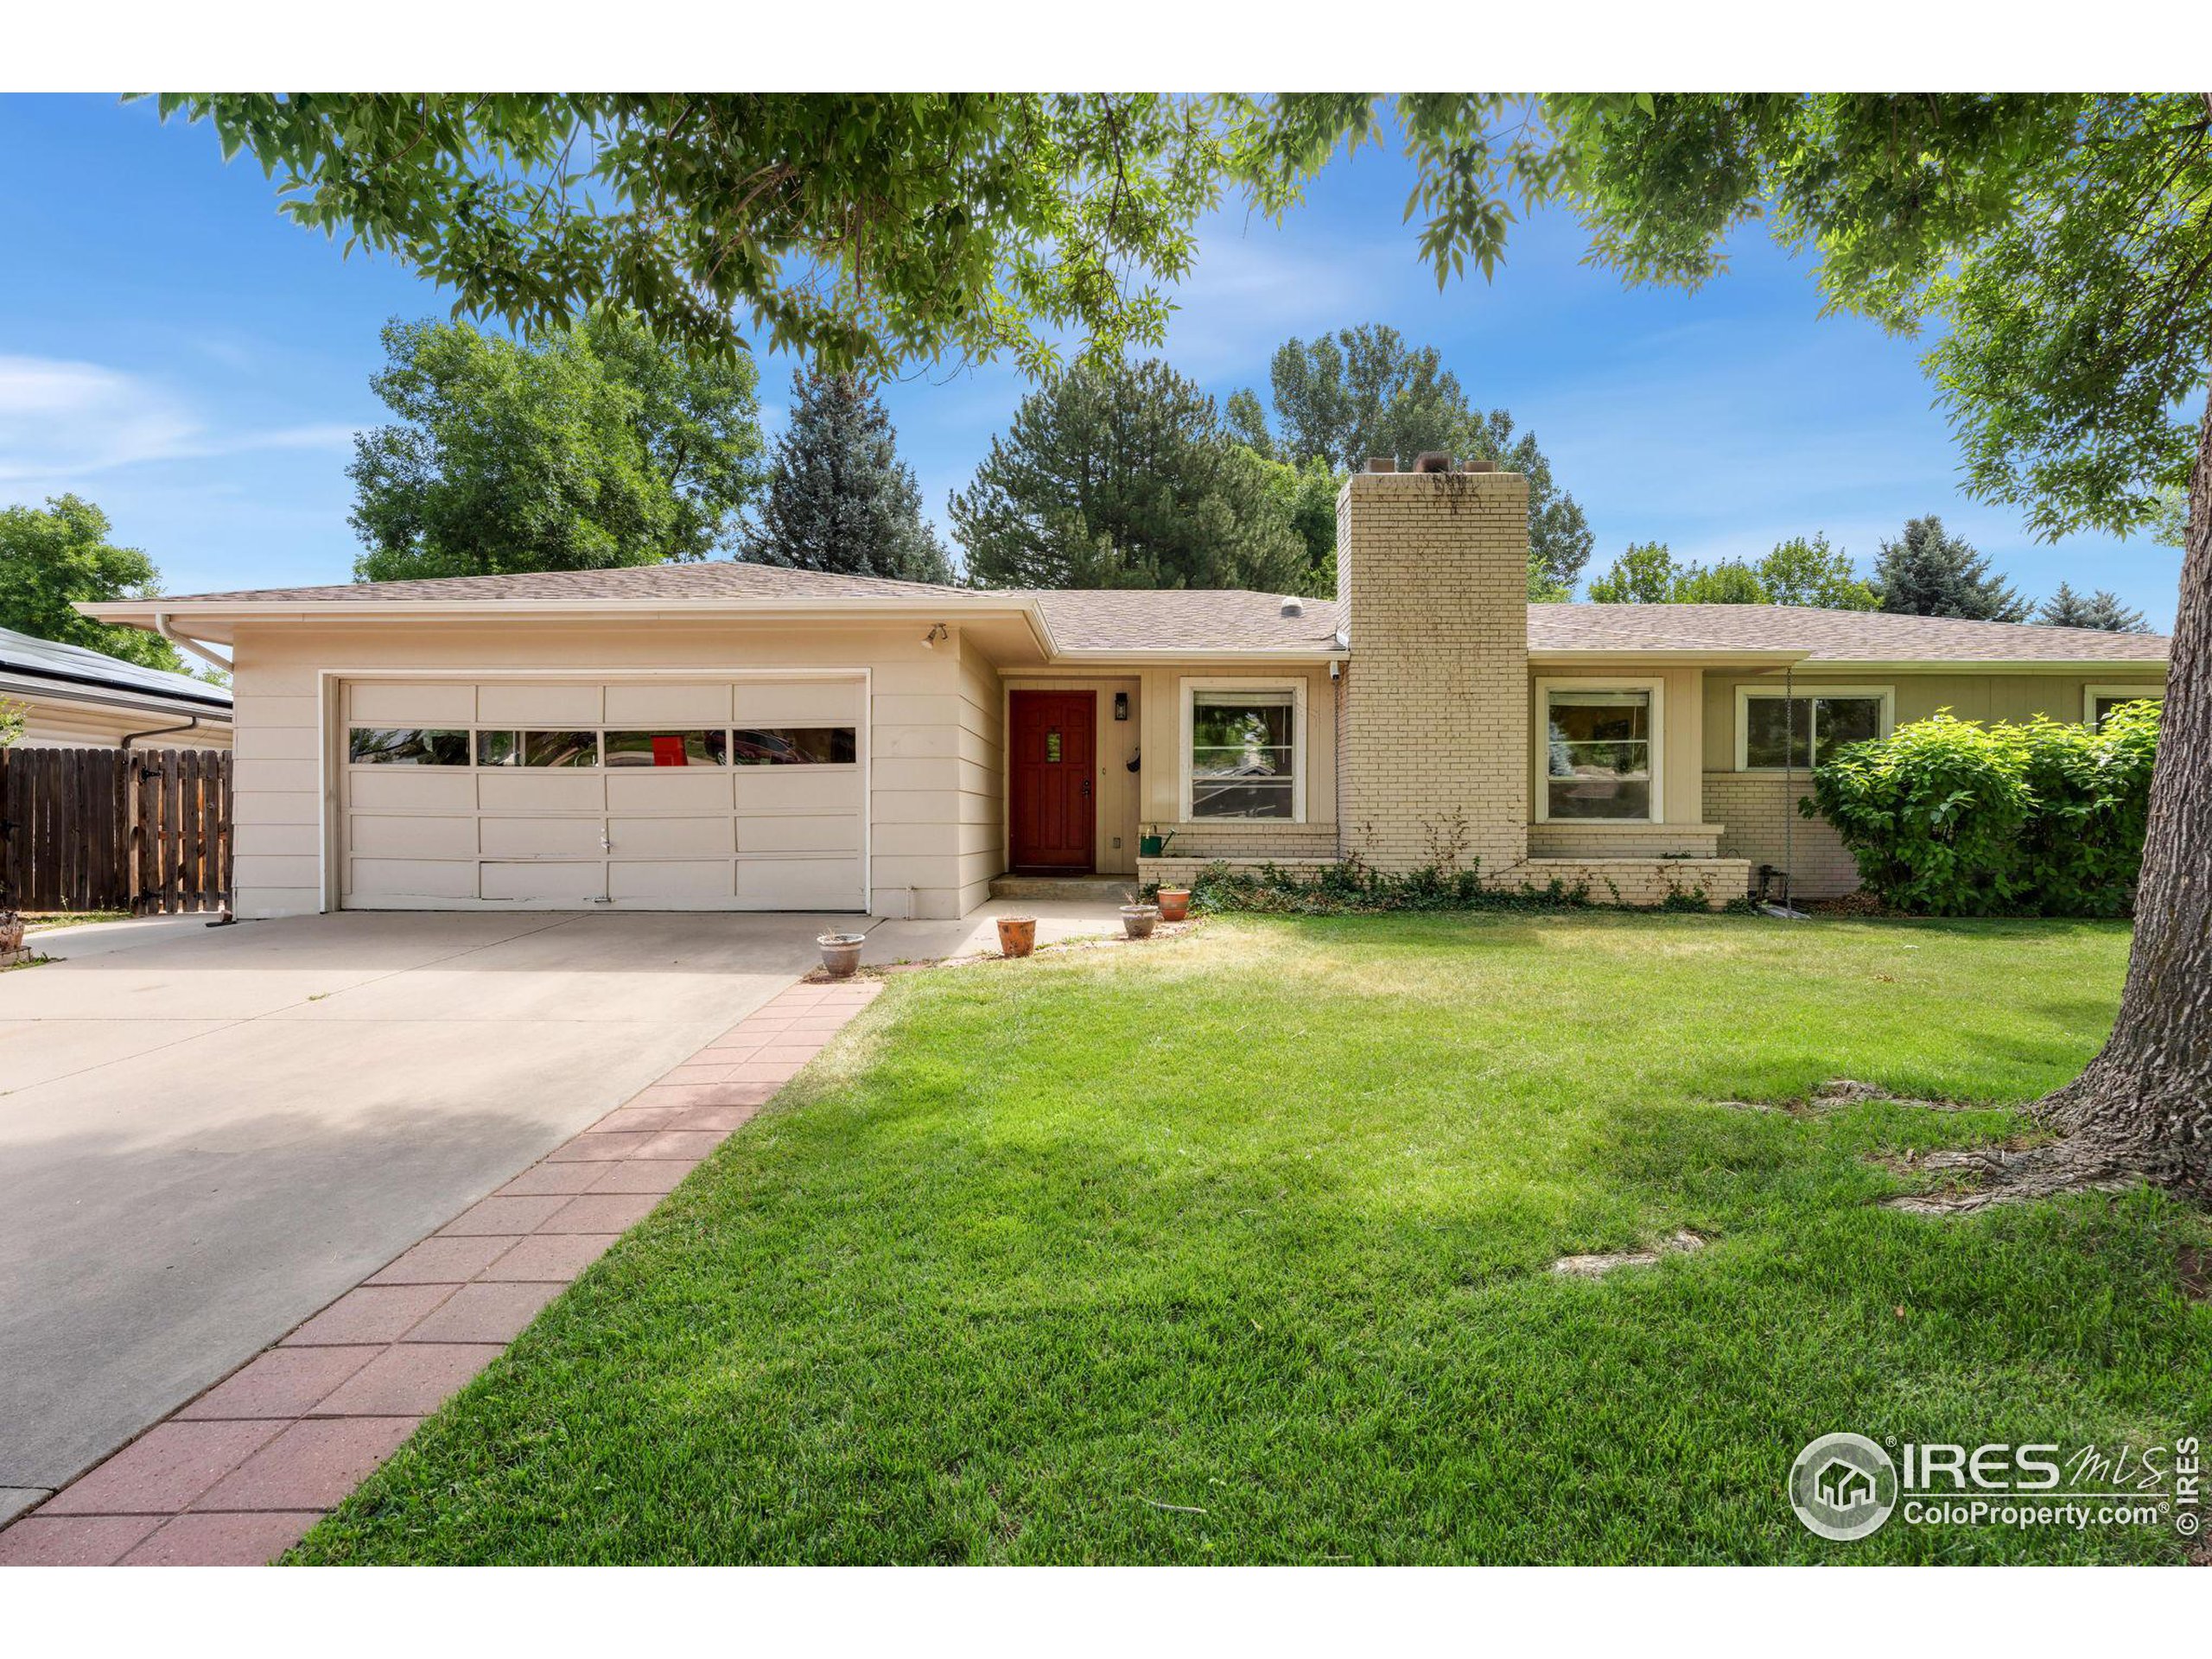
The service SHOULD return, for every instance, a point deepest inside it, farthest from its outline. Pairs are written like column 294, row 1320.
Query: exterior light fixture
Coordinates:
column 938, row 632
column 1121, row 705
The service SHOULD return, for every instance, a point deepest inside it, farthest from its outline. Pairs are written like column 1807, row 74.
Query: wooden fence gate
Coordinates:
column 146, row 830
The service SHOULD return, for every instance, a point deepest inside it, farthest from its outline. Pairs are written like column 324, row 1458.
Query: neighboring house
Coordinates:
column 76, row 698
column 731, row 736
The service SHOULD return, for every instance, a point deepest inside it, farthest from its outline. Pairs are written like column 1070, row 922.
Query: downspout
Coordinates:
column 191, row 724
column 161, row 626
column 1789, row 779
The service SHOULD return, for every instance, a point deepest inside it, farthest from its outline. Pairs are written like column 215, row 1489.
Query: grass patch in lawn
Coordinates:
column 1238, row 1249
column 45, row 918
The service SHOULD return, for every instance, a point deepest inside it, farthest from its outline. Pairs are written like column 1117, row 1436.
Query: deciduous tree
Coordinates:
column 593, row 446
column 54, row 555
column 1362, row 392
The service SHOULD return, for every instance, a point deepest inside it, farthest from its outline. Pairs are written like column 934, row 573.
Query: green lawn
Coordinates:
column 1236, row 1248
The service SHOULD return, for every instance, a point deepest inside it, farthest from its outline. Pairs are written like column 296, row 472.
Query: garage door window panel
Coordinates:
column 798, row 745
column 668, row 749
column 560, row 748
column 384, row 746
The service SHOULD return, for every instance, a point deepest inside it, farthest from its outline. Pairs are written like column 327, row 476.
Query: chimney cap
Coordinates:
column 1474, row 466
column 1381, row 463
column 1431, row 461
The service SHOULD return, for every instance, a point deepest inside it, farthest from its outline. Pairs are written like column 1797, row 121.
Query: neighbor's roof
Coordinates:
column 26, row 660
column 1828, row 636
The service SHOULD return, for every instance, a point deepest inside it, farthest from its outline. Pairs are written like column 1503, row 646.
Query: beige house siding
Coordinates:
column 64, row 723
column 1750, row 805
column 933, row 803
column 1993, row 696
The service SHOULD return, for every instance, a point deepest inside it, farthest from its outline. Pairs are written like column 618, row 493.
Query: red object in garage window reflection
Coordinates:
column 667, row 751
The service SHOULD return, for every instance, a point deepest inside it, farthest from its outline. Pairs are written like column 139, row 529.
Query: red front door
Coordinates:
column 1051, row 818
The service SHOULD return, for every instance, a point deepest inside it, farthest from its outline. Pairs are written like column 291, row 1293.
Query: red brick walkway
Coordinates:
column 237, row 1476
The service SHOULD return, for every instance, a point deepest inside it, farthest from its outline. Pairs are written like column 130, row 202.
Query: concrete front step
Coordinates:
column 1098, row 889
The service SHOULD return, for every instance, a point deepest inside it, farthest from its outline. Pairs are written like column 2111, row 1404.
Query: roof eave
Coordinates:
column 1111, row 654
column 1989, row 664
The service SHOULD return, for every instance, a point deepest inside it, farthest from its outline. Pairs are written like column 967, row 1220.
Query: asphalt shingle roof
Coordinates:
column 1835, row 636
column 1143, row 619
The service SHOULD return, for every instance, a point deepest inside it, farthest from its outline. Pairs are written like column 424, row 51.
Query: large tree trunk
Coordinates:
column 2144, row 1107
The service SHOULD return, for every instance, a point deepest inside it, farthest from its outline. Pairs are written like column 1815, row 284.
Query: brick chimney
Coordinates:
column 1432, row 568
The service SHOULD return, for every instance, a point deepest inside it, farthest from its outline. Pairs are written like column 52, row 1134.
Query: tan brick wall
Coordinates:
column 1249, row 838
column 1562, row 840
column 1750, row 807
column 1182, row 871
column 1433, row 569
column 1642, row 882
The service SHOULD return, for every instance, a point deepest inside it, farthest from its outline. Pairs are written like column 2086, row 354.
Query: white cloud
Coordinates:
column 61, row 420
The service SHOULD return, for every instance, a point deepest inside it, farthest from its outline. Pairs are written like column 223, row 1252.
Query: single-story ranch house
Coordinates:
column 722, row 736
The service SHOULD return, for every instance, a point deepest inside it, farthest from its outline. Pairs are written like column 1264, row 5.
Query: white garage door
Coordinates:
column 616, row 794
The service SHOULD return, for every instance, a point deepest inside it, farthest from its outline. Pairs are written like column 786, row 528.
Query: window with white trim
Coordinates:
column 1796, row 732
column 1242, row 744
column 1601, row 753
column 2099, row 701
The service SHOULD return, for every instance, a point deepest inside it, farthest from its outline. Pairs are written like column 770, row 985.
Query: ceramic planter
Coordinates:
column 1174, row 904
column 1139, row 920
column 1017, row 935
column 841, row 953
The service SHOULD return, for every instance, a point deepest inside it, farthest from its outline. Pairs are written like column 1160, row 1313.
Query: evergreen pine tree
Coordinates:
column 2102, row 609
column 839, row 498
column 1930, row 572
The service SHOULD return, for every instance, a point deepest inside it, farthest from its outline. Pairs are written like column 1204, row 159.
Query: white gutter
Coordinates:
column 183, row 643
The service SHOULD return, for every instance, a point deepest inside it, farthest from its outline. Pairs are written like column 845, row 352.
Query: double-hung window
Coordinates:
column 1601, row 753
column 1243, row 751
column 1774, row 732
column 2099, row 701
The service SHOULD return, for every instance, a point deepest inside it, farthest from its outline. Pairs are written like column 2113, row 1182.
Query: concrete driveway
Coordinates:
column 208, row 1134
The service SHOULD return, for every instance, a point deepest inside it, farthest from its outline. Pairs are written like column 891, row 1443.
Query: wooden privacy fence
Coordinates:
column 148, row 830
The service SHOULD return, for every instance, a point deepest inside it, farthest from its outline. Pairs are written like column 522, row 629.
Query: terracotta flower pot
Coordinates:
column 1138, row 920
column 841, row 953
column 1174, row 904
column 1017, row 935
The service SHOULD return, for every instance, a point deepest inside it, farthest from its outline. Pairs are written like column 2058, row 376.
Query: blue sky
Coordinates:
column 172, row 349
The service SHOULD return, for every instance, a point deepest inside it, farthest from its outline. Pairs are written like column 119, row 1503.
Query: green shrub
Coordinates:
column 1948, row 817
column 1351, row 887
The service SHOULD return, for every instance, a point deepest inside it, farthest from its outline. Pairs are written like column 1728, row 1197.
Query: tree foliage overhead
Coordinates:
column 591, row 446
column 1362, row 392
column 838, row 498
column 1125, row 478
column 864, row 231
column 52, row 557
column 1928, row 571
column 2101, row 609
column 2058, row 237
column 1800, row 571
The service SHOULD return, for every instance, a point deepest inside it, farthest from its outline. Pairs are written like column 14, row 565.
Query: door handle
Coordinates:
column 1086, row 789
